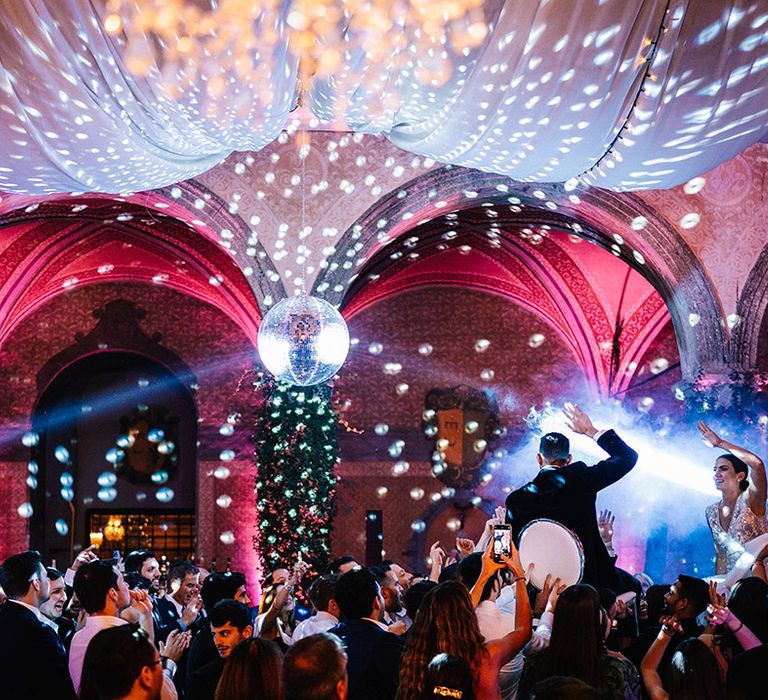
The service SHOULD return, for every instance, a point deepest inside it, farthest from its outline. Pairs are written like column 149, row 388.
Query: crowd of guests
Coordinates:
column 470, row 628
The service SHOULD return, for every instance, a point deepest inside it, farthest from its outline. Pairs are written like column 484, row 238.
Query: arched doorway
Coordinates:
column 116, row 436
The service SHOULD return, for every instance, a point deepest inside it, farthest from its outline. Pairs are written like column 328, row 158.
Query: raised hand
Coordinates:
column 436, row 554
column 87, row 555
column 540, row 603
column 300, row 569
column 141, row 602
column 554, row 594
column 670, row 625
column 578, row 421
column 709, row 436
column 465, row 546
column 715, row 598
column 605, row 523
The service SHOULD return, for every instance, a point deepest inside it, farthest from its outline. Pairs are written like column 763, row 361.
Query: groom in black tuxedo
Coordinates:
column 566, row 491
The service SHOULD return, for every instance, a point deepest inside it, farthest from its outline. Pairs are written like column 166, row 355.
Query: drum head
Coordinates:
column 554, row 549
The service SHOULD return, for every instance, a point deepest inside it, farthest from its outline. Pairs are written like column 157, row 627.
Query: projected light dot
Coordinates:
column 694, row 186
column 471, row 427
column 61, row 527
column 227, row 429
column 375, row 348
column 107, row 479
column 392, row 368
column 66, row 479
column 30, row 439
column 224, row 501
column 67, row 493
column 32, row 467
column 159, row 477
column 453, row 524
column 31, row 482
column 536, row 340
column 227, row 455
column 155, row 435
column 166, row 447
column 164, row 495
column 221, row 473
column 114, row 455
column 400, row 467
column 381, row 429
column 482, row 345
column 417, row 493
column 402, row 389
column 435, row 497
column 107, row 495
column 381, row 491
column 125, row 441
column 25, row 510
column 425, row 349
column 693, row 320
column 62, row 454
column 690, row 220
column 487, row 375
column 418, row 526
column 227, row 537
column 659, row 365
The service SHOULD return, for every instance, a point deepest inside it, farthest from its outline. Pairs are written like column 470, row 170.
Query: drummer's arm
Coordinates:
column 621, row 461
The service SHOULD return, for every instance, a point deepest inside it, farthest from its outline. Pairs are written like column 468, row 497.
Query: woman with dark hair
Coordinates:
column 694, row 671
column 739, row 516
column 577, row 649
column 252, row 672
column 446, row 623
column 448, row 676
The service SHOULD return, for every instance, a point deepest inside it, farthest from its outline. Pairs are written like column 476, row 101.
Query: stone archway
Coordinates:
column 620, row 223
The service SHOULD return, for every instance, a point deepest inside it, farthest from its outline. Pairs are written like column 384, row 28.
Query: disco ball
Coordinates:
column 303, row 340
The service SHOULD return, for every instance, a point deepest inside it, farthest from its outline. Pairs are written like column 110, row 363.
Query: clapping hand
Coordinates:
column 191, row 610
column 175, row 645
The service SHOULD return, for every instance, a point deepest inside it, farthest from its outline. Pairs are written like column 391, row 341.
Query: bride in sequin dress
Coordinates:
column 739, row 516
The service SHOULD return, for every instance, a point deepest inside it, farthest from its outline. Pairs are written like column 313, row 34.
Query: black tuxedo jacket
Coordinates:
column 203, row 683
column 373, row 664
column 568, row 494
column 33, row 663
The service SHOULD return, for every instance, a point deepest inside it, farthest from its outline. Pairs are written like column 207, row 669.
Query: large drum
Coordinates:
column 554, row 549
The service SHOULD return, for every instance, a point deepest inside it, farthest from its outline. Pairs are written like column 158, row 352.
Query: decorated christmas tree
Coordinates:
column 296, row 453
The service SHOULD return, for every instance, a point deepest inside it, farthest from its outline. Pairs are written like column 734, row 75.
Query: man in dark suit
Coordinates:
column 566, row 491
column 230, row 625
column 180, row 606
column 373, row 652
column 53, row 608
column 33, row 663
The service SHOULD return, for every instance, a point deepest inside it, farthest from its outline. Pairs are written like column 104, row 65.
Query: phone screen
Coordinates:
column 502, row 541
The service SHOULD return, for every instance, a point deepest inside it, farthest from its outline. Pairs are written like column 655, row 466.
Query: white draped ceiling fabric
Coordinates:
column 623, row 94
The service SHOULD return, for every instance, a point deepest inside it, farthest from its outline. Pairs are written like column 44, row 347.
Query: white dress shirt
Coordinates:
column 494, row 623
column 321, row 622
column 82, row 638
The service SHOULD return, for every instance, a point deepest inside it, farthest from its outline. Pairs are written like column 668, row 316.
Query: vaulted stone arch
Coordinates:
column 620, row 223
